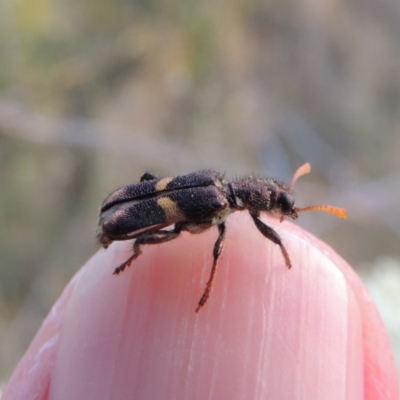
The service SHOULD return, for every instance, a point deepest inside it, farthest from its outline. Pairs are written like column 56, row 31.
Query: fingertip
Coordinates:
column 264, row 328
column 266, row 331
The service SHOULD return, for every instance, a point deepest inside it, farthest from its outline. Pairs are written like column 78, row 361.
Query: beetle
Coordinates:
column 194, row 203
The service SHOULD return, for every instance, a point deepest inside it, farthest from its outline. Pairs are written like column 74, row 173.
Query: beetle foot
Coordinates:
column 125, row 264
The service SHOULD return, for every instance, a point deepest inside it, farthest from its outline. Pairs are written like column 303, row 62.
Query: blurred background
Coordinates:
column 94, row 93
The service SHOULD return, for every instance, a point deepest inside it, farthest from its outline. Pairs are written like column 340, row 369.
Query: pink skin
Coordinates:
column 266, row 332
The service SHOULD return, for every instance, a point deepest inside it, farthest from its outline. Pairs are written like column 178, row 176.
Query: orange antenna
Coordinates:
column 304, row 169
column 339, row 212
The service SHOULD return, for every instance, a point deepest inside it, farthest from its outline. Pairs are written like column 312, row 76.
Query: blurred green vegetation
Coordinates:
column 94, row 93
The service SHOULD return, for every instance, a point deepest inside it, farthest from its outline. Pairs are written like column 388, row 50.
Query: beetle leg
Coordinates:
column 272, row 235
column 153, row 238
column 218, row 246
column 147, row 176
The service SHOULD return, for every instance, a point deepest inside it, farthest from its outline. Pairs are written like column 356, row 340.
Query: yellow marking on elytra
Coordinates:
column 162, row 184
column 171, row 209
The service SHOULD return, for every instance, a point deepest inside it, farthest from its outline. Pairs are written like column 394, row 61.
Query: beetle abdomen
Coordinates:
column 135, row 217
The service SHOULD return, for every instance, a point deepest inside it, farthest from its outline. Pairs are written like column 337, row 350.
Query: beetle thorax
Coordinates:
column 254, row 194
